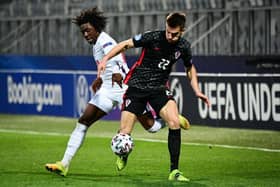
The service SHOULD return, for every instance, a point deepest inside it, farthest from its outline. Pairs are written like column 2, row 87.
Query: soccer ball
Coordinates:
column 122, row 144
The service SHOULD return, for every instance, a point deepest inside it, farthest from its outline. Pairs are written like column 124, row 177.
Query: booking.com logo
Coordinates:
column 26, row 91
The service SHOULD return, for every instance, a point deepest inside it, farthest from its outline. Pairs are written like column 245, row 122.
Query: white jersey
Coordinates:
column 108, row 96
column 117, row 64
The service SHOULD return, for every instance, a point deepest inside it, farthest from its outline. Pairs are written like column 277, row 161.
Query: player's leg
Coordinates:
column 127, row 122
column 126, row 127
column 132, row 107
column 97, row 107
column 169, row 113
column 91, row 114
column 184, row 122
column 152, row 123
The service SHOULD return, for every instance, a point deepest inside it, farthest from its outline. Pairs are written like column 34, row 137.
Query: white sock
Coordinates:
column 74, row 143
column 158, row 124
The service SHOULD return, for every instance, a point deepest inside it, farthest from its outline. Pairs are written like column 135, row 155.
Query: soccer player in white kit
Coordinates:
column 108, row 89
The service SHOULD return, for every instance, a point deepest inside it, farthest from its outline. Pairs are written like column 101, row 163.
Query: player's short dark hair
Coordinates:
column 92, row 16
column 176, row 19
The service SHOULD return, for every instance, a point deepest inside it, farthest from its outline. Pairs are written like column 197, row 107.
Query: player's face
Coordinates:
column 89, row 33
column 173, row 34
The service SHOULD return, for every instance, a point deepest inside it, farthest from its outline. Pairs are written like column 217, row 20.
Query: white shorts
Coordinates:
column 108, row 99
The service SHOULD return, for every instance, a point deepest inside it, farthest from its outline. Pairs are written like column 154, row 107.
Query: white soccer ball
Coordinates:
column 122, row 144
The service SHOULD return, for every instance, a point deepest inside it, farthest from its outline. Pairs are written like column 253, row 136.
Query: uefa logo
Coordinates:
column 177, row 91
column 82, row 91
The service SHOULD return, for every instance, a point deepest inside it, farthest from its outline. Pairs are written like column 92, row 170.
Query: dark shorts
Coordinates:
column 135, row 100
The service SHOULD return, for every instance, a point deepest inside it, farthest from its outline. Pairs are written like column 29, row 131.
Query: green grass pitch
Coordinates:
column 209, row 156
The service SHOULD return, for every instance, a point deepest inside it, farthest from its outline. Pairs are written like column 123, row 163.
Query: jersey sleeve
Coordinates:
column 142, row 40
column 107, row 46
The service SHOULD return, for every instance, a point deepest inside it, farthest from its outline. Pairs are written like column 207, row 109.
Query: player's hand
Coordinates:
column 101, row 67
column 117, row 77
column 204, row 98
column 96, row 84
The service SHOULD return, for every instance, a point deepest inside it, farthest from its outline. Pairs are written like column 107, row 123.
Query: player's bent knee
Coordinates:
column 84, row 121
column 174, row 125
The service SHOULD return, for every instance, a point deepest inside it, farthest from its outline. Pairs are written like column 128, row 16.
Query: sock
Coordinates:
column 158, row 124
column 174, row 146
column 74, row 143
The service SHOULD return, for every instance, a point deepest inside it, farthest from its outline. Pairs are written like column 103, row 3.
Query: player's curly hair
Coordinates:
column 176, row 19
column 92, row 16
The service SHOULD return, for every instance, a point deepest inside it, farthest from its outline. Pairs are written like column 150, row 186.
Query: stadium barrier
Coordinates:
column 238, row 100
column 242, row 94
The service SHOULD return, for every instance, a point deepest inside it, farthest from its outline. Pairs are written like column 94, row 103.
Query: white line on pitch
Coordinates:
column 147, row 140
column 216, row 145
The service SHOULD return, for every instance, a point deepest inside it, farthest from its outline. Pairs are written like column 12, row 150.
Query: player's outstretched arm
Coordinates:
column 192, row 76
column 120, row 47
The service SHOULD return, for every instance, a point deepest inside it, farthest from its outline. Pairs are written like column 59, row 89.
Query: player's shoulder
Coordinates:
column 104, row 40
column 154, row 35
column 184, row 43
